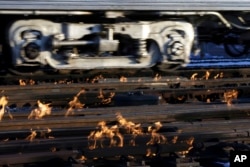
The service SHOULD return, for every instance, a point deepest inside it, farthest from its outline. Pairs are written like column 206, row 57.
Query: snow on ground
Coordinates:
column 214, row 56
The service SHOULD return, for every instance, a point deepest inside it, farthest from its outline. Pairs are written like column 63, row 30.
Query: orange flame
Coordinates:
column 3, row 105
column 157, row 77
column 24, row 82
column 155, row 136
column 130, row 128
column 32, row 136
column 41, row 111
column 31, row 82
column 113, row 134
column 104, row 131
column 174, row 140
column 44, row 133
column 190, row 143
column 216, row 76
column 53, row 149
column 149, row 153
column 207, row 75
column 229, row 96
column 96, row 79
column 194, row 76
column 63, row 81
column 105, row 100
column 123, row 79
column 220, row 75
column 80, row 159
column 75, row 103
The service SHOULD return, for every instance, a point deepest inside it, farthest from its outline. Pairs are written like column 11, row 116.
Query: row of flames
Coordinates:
column 44, row 109
column 156, row 77
column 206, row 76
column 41, row 133
column 114, row 134
column 25, row 82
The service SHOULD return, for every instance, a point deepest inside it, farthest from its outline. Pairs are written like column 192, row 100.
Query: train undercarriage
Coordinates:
column 119, row 39
column 98, row 46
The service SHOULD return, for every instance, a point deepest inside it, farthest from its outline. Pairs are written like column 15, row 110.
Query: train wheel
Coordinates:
column 154, row 54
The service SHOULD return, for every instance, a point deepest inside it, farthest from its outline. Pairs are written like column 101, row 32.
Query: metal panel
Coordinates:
column 191, row 5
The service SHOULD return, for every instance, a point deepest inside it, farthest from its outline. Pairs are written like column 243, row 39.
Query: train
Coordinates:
column 117, row 34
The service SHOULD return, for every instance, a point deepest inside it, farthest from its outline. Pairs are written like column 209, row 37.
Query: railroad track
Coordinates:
column 205, row 118
column 172, row 89
column 70, row 134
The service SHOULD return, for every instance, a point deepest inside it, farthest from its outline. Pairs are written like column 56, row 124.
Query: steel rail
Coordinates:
column 165, row 113
column 81, row 143
column 61, row 94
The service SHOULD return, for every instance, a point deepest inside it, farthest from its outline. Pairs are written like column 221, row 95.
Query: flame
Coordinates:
column 149, row 153
column 155, row 136
column 53, row 149
column 157, row 77
column 5, row 140
column 75, row 103
column 41, row 111
column 190, row 143
column 105, row 100
column 3, row 105
column 229, row 96
column 194, row 76
column 100, row 96
column 174, row 140
column 22, row 82
column 42, row 133
column 129, row 127
column 180, row 98
column 64, row 81
column 80, row 159
column 26, row 82
column 31, row 82
column 104, row 131
column 219, row 75
column 123, row 79
column 207, row 75
column 32, row 136
column 45, row 132
column 95, row 79
column 216, row 76
column 113, row 134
